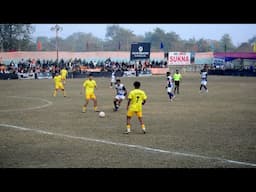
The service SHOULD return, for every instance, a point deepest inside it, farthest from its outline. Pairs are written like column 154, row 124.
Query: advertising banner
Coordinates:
column 140, row 51
column 179, row 58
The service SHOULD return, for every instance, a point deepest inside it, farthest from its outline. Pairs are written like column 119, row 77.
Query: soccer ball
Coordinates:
column 102, row 114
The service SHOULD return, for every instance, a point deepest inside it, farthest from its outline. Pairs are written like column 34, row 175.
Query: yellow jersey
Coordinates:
column 89, row 86
column 57, row 79
column 63, row 73
column 177, row 77
column 137, row 96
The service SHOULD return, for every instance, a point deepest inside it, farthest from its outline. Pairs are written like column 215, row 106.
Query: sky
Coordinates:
column 239, row 33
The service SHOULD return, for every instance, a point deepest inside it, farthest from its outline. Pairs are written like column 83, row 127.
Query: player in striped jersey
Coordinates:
column 204, row 75
column 169, row 86
column 121, row 92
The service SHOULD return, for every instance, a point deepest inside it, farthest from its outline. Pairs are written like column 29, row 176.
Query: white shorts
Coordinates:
column 122, row 97
column 113, row 80
column 204, row 82
column 169, row 89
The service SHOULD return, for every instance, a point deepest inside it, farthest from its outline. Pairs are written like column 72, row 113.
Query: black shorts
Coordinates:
column 177, row 83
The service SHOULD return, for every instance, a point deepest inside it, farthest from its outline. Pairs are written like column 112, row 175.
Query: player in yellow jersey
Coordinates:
column 136, row 99
column 88, row 87
column 64, row 74
column 58, row 85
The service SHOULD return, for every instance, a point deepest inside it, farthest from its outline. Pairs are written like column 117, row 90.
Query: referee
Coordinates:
column 177, row 78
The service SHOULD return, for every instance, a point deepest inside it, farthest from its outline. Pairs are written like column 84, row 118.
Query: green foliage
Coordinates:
column 15, row 36
column 226, row 43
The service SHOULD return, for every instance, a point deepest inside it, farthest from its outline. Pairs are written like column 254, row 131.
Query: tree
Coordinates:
column 15, row 36
column 46, row 44
column 82, row 42
column 156, row 38
column 76, row 42
column 203, row 45
column 226, row 43
column 118, row 38
column 252, row 40
column 244, row 47
column 171, row 40
column 190, row 45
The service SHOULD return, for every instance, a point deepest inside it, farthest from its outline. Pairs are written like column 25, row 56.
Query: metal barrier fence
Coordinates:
column 71, row 75
column 231, row 72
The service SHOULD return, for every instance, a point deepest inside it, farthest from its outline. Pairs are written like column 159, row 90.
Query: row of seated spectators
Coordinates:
column 76, row 65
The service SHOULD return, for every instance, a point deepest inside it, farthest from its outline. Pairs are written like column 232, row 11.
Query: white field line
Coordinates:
column 130, row 146
column 48, row 103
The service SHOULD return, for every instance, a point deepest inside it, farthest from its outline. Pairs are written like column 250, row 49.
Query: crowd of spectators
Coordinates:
column 77, row 65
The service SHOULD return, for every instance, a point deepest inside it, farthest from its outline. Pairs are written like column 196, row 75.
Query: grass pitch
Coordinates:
column 194, row 131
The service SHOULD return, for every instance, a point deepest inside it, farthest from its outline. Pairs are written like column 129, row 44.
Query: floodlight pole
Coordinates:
column 225, row 49
column 57, row 28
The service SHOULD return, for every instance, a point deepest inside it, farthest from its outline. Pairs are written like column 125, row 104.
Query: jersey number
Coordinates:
column 138, row 97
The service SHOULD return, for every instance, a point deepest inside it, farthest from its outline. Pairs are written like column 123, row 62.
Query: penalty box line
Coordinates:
column 129, row 145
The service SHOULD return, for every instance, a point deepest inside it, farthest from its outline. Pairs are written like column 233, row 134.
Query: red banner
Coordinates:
column 39, row 46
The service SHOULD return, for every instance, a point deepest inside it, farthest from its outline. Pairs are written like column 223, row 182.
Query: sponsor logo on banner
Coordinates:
column 140, row 50
column 179, row 58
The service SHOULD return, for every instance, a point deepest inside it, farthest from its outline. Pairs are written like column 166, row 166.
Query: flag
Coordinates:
column 119, row 45
column 87, row 45
column 254, row 47
column 39, row 46
column 161, row 45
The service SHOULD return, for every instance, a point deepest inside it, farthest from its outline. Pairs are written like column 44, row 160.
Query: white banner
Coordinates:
column 26, row 75
column 179, row 58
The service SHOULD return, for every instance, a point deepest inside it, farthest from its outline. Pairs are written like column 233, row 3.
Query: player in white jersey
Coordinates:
column 121, row 93
column 204, row 75
column 113, row 79
column 169, row 86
